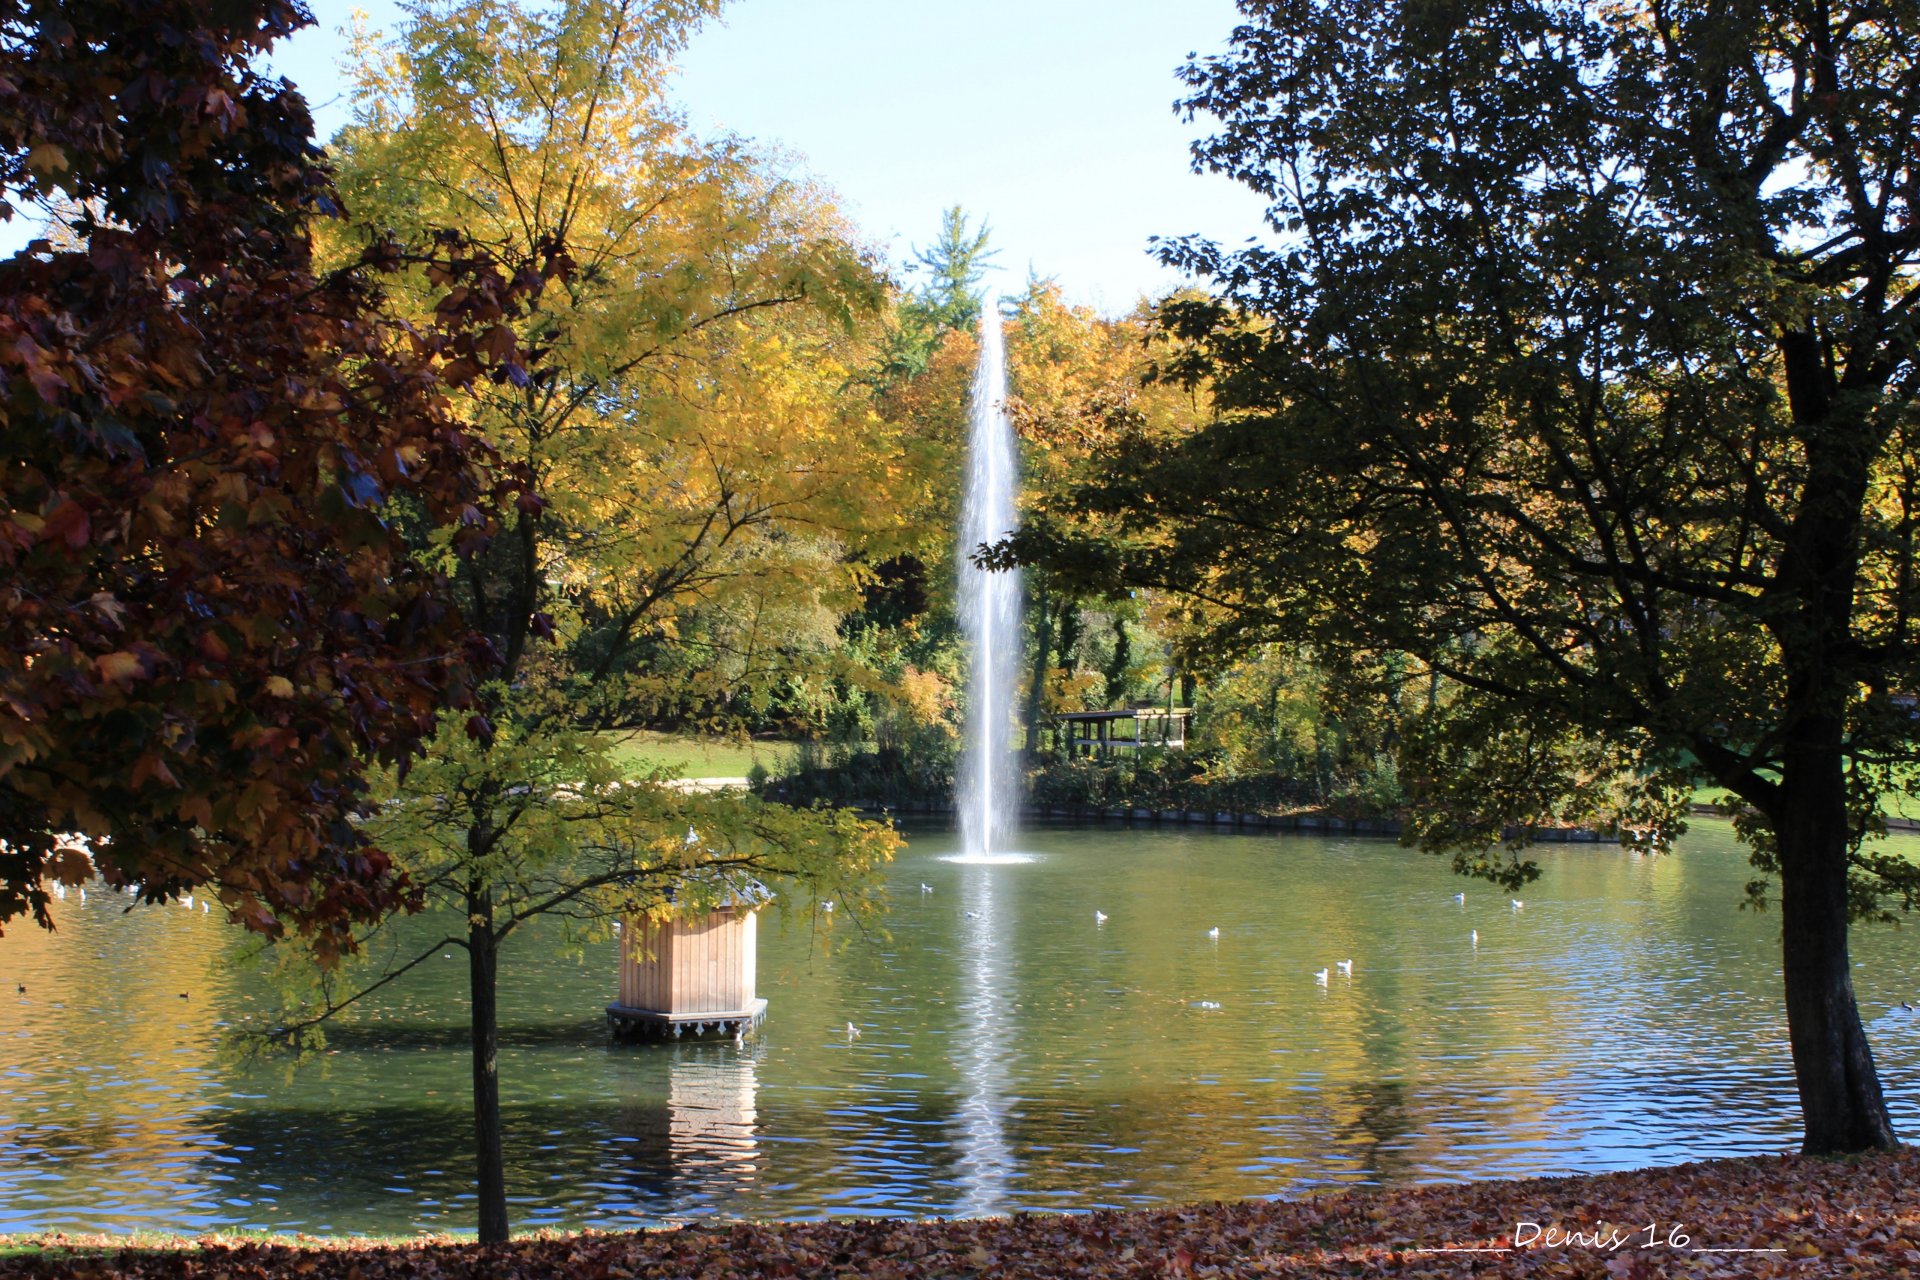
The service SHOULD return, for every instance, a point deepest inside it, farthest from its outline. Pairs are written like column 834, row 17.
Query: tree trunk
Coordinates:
column 1840, row 1099
column 1036, row 688
column 490, row 1180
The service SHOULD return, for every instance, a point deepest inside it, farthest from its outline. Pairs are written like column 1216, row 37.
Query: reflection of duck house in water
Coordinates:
column 690, row 972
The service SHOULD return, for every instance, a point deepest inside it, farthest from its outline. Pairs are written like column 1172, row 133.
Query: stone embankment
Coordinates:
column 1312, row 822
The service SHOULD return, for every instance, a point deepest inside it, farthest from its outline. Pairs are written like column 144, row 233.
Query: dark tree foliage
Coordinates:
column 1579, row 370
column 208, row 627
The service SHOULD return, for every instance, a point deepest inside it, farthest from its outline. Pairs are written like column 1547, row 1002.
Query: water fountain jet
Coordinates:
column 989, row 611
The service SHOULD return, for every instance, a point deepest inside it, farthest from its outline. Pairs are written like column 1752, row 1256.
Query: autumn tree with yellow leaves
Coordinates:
column 699, row 471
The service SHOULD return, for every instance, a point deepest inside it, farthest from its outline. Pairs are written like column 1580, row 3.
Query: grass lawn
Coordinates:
column 1895, row 804
column 700, row 757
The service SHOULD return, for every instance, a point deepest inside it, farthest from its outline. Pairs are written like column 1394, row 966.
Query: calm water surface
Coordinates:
column 1012, row 1053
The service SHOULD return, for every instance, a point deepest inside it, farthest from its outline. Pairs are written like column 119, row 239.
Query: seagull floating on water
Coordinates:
column 826, row 906
column 973, row 915
column 1344, row 966
column 1099, row 917
column 1214, row 933
column 853, row 1032
column 1476, row 937
column 204, row 908
column 1320, row 977
column 1206, row 1004
column 926, row 888
column 1460, row 898
column 1517, row 904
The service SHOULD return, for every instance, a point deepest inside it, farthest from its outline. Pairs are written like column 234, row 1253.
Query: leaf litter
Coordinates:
column 1764, row 1217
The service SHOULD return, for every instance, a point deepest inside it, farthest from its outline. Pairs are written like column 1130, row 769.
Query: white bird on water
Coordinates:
column 186, row 900
column 926, row 888
column 1214, row 933
column 1476, row 937
column 1099, row 917
column 83, row 895
column 853, row 1032
column 204, row 908
column 973, row 915
column 1344, row 966
column 826, row 906
column 1460, row 898
column 1518, row 905
column 1320, row 976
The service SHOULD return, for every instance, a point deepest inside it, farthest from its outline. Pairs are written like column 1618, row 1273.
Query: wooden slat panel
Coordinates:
column 687, row 966
column 675, row 988
column 749, row 956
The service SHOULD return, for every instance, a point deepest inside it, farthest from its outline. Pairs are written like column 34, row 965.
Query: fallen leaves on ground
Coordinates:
column 1783, row 1216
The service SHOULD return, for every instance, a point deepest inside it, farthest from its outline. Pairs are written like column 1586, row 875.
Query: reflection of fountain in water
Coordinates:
column 986, row 1164
column 989, row 608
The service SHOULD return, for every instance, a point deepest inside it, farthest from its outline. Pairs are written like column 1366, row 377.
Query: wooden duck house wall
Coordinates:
column 685, row 966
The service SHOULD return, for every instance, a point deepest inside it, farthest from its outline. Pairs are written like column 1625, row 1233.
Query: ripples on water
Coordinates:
column 1013, row 1053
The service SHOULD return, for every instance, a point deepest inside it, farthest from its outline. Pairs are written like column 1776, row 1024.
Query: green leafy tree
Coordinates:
column 1580, row 371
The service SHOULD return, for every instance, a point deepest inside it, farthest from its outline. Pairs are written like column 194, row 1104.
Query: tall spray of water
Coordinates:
column 989, row 608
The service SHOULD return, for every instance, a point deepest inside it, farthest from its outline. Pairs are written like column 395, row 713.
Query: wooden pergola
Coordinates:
column 1089, row 733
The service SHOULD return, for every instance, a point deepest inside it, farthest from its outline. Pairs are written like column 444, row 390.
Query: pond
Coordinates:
column 1013, row 1052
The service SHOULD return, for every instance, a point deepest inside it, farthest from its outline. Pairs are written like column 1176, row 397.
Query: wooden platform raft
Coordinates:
column 690, row 973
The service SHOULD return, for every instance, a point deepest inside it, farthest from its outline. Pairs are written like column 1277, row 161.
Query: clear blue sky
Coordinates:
column 1050, row 118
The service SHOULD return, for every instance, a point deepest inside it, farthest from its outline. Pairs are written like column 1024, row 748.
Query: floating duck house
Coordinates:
column 690, row 972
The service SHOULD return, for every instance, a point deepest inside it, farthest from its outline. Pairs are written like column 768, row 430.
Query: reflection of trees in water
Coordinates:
column 1374, row 1123
column 375, row 1169
column 390, row 1035
column 109, row 1065
column 687, row 1138
column 693, row 1152
column 702, row 1150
